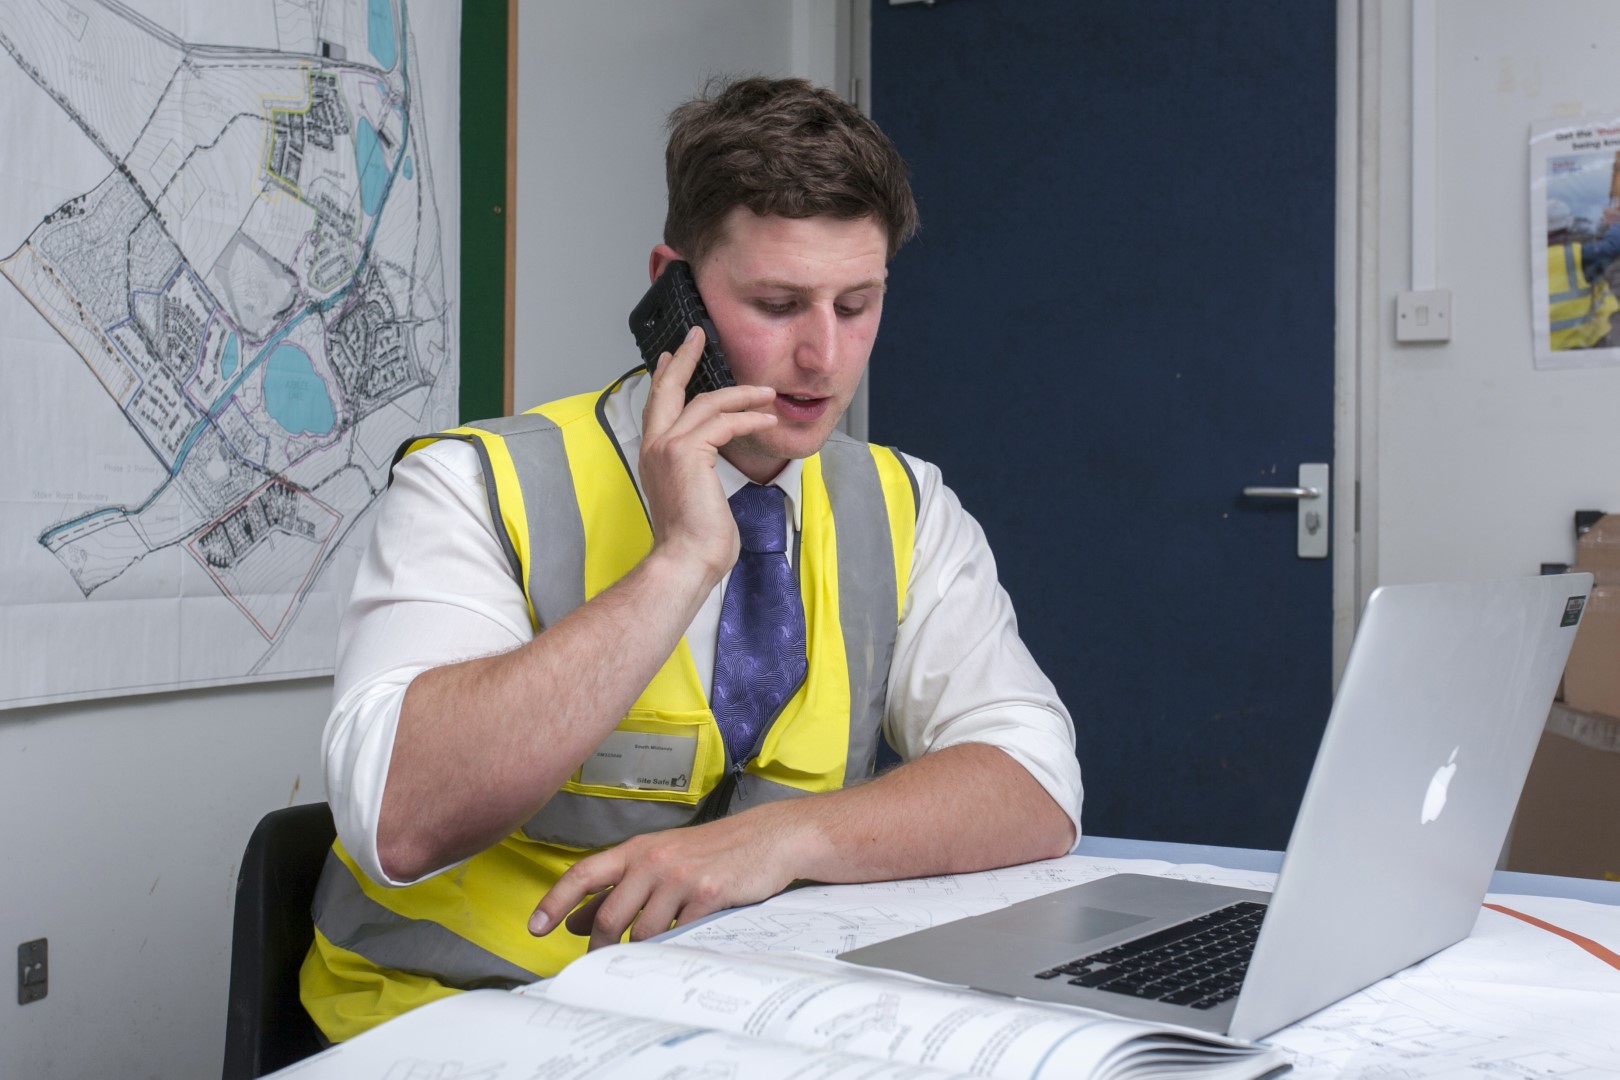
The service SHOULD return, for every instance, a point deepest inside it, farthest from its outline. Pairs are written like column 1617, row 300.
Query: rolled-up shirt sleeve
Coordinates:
column 961, row 673
column 433, row 587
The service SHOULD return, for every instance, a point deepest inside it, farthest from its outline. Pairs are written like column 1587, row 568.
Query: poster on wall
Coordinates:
column 228, row 290
column 1575, row 241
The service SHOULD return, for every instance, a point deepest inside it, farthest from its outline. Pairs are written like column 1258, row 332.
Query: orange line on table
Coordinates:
column 1608, row 956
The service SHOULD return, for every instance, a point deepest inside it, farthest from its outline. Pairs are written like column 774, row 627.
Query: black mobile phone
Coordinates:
column 660, row 323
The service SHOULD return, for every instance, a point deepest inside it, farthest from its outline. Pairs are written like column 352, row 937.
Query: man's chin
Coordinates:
column 774, row 449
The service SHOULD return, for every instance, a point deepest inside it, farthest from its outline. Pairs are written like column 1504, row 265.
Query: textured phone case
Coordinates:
column 660, row 322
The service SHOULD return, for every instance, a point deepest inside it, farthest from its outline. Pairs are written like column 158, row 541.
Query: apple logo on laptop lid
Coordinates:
column 1434, row 800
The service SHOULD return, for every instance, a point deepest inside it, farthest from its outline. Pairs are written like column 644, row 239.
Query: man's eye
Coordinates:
column 849, row 311
column 775, row 307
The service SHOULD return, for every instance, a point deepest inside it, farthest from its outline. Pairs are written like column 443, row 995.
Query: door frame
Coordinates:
column 1355, row 368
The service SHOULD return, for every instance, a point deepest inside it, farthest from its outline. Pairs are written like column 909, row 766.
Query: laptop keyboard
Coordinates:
column 1199, row 963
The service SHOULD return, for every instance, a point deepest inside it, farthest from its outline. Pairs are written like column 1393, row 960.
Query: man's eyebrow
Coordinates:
column 879, row 284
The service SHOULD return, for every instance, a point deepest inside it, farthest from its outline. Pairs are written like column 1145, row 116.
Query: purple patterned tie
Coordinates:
column 759, row 658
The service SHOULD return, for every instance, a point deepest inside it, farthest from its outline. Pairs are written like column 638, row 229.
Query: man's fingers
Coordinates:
column 667, row 413
column 657, row 915
column 580, row 919
column 730, row 399
column 667, row 396
column 590, row 875
column 722, row 428
column 695, row 909
column 705, row 409
column 615, row 914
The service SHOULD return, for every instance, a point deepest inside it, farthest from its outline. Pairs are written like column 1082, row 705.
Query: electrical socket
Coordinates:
column 32, row 971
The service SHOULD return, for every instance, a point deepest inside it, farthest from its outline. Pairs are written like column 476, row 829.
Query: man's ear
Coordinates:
column 662, row 256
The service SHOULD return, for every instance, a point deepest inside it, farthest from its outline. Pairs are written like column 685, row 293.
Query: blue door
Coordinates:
column 1118, row 314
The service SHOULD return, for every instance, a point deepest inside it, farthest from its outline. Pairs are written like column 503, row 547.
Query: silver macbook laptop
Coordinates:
column 1438, row 714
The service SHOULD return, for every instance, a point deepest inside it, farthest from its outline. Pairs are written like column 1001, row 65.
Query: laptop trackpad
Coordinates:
column 1059, row 921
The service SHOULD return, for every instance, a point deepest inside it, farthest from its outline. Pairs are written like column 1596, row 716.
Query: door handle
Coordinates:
column 1311, row 493
column 1282, row 493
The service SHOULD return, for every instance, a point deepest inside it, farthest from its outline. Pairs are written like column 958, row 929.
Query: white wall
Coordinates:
column 125, row 824
column 1474, row 461
column 126, row 818
column 595, row 83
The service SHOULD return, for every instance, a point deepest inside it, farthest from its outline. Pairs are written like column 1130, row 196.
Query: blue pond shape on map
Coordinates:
column 229, row 358
column 294, row 395
column 380, row 32
column 368, row 156
column 407, row 168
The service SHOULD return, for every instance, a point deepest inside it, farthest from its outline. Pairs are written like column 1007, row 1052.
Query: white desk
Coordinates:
column 1535, row 990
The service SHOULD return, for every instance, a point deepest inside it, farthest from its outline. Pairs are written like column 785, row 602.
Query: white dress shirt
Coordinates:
column 435, row 587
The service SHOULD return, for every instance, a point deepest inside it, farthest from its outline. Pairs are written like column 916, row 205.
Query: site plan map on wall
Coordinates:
column 227, row 293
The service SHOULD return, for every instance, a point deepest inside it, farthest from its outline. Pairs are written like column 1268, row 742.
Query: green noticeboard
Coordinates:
column 486, row 74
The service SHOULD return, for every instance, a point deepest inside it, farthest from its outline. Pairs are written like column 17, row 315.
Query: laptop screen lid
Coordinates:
column 1432, row 732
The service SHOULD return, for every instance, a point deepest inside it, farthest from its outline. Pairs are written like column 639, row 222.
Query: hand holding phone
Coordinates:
column 661, row 321
column 685, row 501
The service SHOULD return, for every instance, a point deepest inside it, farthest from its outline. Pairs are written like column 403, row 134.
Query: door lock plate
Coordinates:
column 32, row 979
column 1313, row 512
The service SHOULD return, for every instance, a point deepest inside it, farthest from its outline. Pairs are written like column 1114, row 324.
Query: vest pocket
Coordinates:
column 654, row 754
column 650, row 773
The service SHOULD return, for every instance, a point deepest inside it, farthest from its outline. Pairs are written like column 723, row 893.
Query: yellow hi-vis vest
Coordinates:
column 574, row 524
column 1577, row 310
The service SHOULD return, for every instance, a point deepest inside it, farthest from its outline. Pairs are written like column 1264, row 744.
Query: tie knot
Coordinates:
column 761, row 518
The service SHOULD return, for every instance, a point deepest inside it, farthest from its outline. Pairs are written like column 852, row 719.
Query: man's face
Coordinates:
column 796, row 303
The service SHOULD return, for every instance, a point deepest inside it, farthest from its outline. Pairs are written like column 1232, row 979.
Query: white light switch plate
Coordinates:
column 1423, row 315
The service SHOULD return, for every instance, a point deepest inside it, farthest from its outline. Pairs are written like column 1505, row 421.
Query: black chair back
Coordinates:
column 267, row 1026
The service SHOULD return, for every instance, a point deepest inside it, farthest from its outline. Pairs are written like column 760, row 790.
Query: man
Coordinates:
column 526, row 670
column 1580, row 302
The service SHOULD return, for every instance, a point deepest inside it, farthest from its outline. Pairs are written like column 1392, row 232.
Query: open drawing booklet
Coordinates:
column 669, row 1010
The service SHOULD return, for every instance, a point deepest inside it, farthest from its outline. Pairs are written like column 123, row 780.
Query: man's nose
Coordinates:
column 817, row 346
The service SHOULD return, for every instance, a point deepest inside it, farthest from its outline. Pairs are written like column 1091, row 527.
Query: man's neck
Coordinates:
column 757, row 470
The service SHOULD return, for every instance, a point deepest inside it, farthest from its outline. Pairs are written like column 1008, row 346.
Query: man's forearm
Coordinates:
column 964, row 808
column 482, row 744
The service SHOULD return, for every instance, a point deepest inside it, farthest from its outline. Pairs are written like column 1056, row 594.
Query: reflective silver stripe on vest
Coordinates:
column 867, row 615
column 354, row 921
column 867, row 607
column 556, row 582
column 1572, row 274
column 866, row 594
column 482, row 451
column 571, row 820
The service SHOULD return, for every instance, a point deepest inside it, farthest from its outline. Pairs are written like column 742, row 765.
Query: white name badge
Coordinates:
column 635, row 759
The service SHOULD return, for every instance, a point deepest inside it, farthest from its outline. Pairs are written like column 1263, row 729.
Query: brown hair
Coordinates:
column 781, row 147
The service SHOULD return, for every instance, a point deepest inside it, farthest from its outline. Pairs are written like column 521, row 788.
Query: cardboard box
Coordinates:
column 1568, row 821
column 1592, row 675
column 1598, row 550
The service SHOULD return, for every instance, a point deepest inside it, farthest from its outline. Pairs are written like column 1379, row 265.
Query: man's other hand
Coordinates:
column 951, row 811
column 652, row 882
